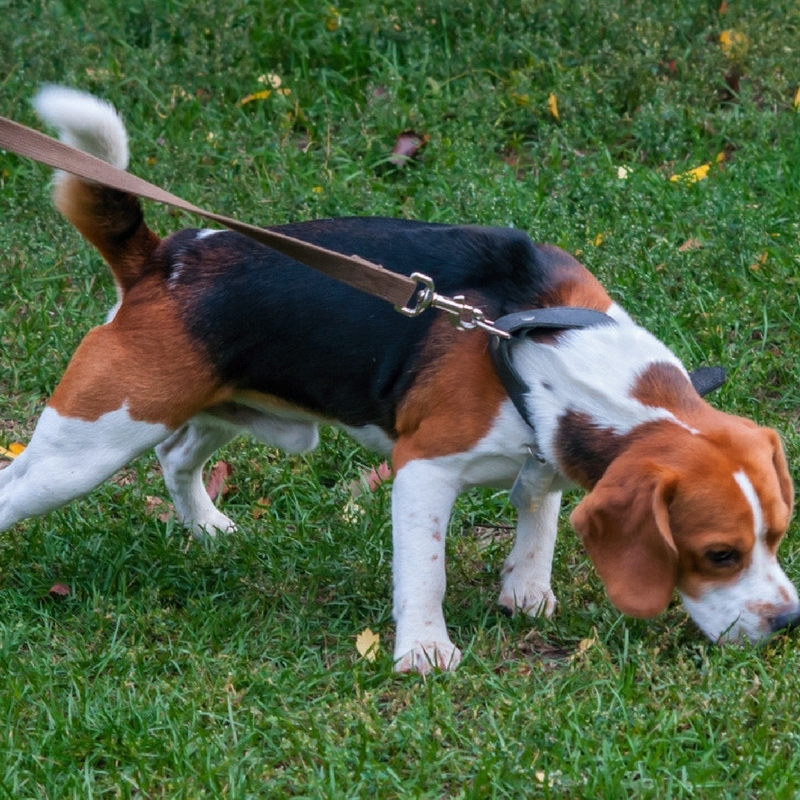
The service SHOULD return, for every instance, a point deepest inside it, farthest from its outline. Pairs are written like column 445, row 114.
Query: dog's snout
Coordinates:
column 786, row 621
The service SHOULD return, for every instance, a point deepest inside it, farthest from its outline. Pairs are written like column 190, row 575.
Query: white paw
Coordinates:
column 425, row 657
column 211, row 525
column 530, row 598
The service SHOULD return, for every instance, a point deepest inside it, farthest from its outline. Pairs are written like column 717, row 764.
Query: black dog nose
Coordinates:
column 786, row 621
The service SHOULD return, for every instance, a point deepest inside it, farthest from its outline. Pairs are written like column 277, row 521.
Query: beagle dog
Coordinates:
column 214, row 335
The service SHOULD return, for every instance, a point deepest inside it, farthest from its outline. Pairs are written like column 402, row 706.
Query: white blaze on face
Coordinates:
column 742, row 608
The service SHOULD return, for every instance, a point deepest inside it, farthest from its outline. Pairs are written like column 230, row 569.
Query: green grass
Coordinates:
column 184, row 670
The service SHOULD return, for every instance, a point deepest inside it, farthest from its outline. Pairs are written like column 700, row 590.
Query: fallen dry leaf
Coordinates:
column 370, row 479
column 156, row 507
column 215, row 485
column 692, row 175
column 408, row 146
column 13, row 450
column 733, row 43
column 260, row 507
column 759, row 262
column 690, row 244
column 375, row 477
column 368, row 644
column 552, row 105
column 797, row 98
column 59, row 590
column 262, row 95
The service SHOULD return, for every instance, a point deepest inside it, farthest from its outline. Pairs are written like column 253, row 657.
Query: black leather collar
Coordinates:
column 519, row 325
column 522, row 323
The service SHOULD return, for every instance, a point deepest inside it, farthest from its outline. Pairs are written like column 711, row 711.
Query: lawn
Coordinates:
column 138, row 663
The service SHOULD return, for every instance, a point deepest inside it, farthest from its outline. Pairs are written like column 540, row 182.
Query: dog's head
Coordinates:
column 703, row 513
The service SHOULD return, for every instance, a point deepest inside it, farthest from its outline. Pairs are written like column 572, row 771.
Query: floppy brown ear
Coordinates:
column 782, row 472
column 624, row 525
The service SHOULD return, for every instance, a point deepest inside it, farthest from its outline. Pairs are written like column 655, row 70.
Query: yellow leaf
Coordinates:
column 13, row 450
column 733, row 43
column 334, row 19
column 797, row 98
column 585, row 644
column 693, row 175
column 598, row 240
column 262, row 95
column 552, row 104
column 368, row 644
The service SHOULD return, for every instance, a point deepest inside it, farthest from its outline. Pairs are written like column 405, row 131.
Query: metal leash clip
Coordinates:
column 463, row 316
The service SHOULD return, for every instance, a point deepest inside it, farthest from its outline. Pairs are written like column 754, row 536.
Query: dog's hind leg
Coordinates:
column 182, row 457
column 67, row 457
column 125, row 390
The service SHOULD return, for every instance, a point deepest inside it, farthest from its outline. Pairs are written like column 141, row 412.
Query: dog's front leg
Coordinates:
column 526, row 572
column 422, row 499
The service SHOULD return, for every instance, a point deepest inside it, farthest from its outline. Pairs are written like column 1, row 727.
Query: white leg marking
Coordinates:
column 742, row 610
column 182, row 457
column 527, row 570
column 422, row 499
column 67, row 458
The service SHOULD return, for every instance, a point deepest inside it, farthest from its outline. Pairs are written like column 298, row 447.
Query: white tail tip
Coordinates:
column 84, row 121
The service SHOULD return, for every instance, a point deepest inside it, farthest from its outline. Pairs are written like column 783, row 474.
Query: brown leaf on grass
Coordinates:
column 215, row 485
column 408, row 145
column 690, row 244
column 156, row 507
column 370, row 479
column 58, row 591
column 260, row 507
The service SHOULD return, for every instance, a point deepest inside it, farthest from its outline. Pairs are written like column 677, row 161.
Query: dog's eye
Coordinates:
column 724, row 556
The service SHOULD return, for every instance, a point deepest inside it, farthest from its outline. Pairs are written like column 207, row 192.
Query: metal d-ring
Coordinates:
column 463, row 316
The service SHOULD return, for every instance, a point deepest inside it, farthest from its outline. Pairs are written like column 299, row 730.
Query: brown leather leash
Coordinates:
column 399, row 290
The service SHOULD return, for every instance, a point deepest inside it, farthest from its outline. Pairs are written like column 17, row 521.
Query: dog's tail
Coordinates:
column 110, row 219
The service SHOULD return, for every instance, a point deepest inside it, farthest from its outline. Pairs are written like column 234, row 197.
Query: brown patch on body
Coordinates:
column 143, row 359
column 453, row 403
column 584, row 449
column 664, row 385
